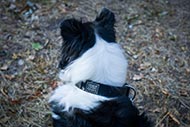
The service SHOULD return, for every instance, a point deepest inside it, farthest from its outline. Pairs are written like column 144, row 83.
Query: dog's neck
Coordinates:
column 104, row 63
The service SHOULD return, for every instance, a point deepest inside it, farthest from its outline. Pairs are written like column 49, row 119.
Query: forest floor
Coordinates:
column 155, row 35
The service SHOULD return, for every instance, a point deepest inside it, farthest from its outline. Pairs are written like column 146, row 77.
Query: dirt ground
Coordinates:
column 154, row 33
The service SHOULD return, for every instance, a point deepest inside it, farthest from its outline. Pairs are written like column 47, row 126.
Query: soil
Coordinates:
column 155, row 36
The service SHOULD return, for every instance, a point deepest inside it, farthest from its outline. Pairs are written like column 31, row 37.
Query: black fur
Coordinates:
column 78, row 37
column 104, row 25
column 119, row 112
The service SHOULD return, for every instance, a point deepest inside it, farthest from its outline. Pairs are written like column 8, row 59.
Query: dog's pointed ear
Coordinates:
column 70, row 29
column 104, row 25
column 105, row 19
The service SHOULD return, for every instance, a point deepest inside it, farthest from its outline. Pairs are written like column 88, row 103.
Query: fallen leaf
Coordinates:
column 138, row 77
column 4, row 67
column 9, row 77
column 183, row 48
column 157, row 110
column 163, row 13
column 183, row 93
column 15, row 101
column 35, row 95
column 174, row 118
column 62, row 8
column 144, row 66
column 28, row 9
column 4, row 92
column 36, row 46
column 15, row 56
column 31, row 57
column 172, row 36
column 164, row 91
column 187, row 71
column 54, row 84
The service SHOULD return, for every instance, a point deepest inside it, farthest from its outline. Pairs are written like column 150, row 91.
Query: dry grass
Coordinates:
column 154, row 34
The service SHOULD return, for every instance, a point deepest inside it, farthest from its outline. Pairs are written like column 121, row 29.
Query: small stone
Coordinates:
column 130, row 26
column 154, row 70
column 20, row 62
column 135, row 56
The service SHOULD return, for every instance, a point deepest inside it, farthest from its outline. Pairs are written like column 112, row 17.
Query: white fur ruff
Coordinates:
column 71, row 97
column 104, row 63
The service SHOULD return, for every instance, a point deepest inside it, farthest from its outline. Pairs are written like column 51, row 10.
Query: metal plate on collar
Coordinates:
column 92, row 87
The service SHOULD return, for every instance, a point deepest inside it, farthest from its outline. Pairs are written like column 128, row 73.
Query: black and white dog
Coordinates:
column 93, row 73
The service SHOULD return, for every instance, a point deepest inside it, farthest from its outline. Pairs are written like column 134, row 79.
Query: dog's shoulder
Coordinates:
column 119, row 112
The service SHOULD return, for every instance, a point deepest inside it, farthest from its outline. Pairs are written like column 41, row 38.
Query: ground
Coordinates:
column 155, row 36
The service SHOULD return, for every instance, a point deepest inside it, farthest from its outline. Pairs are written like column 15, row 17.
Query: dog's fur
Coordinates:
column 90, row 52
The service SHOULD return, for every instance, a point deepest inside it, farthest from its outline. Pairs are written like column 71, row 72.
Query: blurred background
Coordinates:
column 154, row 33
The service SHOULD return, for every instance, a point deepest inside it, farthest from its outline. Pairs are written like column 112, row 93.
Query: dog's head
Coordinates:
column 78, row 37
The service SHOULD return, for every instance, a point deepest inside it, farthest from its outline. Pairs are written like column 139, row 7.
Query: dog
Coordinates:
column 93, row 75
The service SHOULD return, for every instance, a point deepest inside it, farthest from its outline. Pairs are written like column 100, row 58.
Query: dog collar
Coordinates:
column 106, row 90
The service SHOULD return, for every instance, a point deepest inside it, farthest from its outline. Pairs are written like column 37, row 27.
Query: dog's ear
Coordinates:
column 70, row 29
column 104, row 25
column 77, row 37
column 105, row 19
